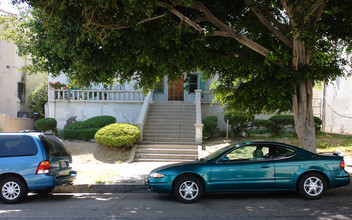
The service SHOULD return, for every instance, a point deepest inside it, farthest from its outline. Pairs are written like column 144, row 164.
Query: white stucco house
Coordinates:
column 335, row 101
column 150, row 112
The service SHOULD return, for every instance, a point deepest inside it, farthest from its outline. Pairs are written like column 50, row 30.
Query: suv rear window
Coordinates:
column 17, row 145
column 53, row 146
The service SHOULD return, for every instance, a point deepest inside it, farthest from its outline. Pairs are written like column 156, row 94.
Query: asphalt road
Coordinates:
column 337, row 204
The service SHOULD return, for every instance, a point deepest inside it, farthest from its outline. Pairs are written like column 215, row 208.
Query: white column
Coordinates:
column 198, row 125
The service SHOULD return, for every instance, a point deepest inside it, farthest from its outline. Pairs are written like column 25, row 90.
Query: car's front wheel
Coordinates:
column 188, row 189
column 13, row 189
column 312, row 186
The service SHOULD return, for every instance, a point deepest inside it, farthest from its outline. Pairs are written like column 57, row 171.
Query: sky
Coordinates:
column 7, row 6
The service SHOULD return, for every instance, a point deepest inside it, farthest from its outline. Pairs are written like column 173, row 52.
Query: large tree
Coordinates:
column 268, row 53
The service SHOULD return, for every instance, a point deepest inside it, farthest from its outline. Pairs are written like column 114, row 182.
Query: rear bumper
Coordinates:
column 340, row 181
column 43, row 181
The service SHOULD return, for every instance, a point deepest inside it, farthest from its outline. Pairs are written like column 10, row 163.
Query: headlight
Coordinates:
column 156, row 175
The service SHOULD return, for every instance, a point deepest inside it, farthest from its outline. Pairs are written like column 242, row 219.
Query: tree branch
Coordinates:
column 267, row 24
column 277, row 24
column 180, row 15
column 230, row 32
column 151, row 19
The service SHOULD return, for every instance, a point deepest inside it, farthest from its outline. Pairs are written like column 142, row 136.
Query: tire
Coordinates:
column 188, row 189
column 13, row 189
column 312, row 186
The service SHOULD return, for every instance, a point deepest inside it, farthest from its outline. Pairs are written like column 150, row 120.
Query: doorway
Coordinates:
column 176, row 90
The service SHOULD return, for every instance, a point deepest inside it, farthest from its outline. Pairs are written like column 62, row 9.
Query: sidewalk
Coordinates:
column 126, row 178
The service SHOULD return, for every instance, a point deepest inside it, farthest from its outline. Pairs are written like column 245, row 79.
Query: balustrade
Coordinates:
column 95, row 95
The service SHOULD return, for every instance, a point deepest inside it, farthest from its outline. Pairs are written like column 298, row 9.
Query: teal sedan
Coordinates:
column 254, row 166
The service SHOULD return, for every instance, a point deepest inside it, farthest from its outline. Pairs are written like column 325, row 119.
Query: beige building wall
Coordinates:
column 10, row 76
column 11, row 100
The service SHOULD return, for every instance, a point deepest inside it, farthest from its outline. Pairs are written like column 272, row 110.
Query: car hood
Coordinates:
column 174, row 165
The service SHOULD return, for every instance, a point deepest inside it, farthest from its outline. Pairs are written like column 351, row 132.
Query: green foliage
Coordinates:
column 85, row 130
column 101, row 40
column 118, row 135
column 210, row 125
column 46, row 124
column 318, row 122
column 240, row 122
column 278, row 122
column 38, row 98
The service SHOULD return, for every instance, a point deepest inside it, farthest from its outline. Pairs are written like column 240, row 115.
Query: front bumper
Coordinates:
column 158, row 185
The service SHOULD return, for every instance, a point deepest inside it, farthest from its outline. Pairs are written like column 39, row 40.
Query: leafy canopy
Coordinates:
column 249, row 41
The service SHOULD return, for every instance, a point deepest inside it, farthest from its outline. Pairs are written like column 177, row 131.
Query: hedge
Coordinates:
column 85, row 130
column 240, row 122
column 46, row 124
column 210, row 125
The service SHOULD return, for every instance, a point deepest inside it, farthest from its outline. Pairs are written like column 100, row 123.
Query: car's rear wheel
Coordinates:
column 188, row 189
column 312, row 186
column 13, row 189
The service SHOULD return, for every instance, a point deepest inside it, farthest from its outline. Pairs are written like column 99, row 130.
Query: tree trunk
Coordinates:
column 302, row 100
column 303, row 114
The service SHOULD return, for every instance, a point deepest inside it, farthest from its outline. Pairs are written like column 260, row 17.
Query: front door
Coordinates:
column 176, row 90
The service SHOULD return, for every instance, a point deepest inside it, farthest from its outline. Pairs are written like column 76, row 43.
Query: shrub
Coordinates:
column 38, row 98
column 317, row 122
column 85, row 130
column 210, row 125
column 118, row 135
column 46, row 124
column 99, row 121
column 277, row 122
column 240, row 122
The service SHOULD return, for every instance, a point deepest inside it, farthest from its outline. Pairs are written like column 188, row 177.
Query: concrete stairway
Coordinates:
column 169, row 133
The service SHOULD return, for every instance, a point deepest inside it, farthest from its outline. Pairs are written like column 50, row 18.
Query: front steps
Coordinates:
column 169, row 133
column 166, row 153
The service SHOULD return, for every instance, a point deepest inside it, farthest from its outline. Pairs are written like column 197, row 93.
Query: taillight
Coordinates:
column 342, row 164
column 43, row 167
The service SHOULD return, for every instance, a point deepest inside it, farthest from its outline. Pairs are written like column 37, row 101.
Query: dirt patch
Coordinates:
column 84, row 152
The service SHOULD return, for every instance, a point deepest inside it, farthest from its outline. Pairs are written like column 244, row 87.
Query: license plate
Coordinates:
column 63, row 164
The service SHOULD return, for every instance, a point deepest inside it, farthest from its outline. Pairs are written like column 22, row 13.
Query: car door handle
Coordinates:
column 265, row 166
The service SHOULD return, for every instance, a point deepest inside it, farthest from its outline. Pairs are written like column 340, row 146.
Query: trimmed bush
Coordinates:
column 118, row 135
column 317, row 122
column 85, row 130
column 240, row 122
column 46, row 124
column 210, row 125
column 278, row 122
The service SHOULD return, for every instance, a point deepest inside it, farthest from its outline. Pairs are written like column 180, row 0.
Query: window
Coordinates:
column 20, row 91
column 159, row 87
column 192, row 83
column 54, row 146
column 11, row 146
column 246, row 153
column 281, row 152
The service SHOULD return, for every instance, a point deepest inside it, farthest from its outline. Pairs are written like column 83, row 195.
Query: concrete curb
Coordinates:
column 102, row 188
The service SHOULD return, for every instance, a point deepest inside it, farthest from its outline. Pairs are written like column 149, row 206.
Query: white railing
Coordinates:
column 95, row 95
column 207, row 97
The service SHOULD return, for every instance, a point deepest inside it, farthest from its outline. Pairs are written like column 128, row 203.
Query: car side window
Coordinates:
column 282, row 152
column 248, row 153
column 17, row 145
column 54, row 146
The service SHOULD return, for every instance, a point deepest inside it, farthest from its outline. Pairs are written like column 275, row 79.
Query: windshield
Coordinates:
column 217, row 153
